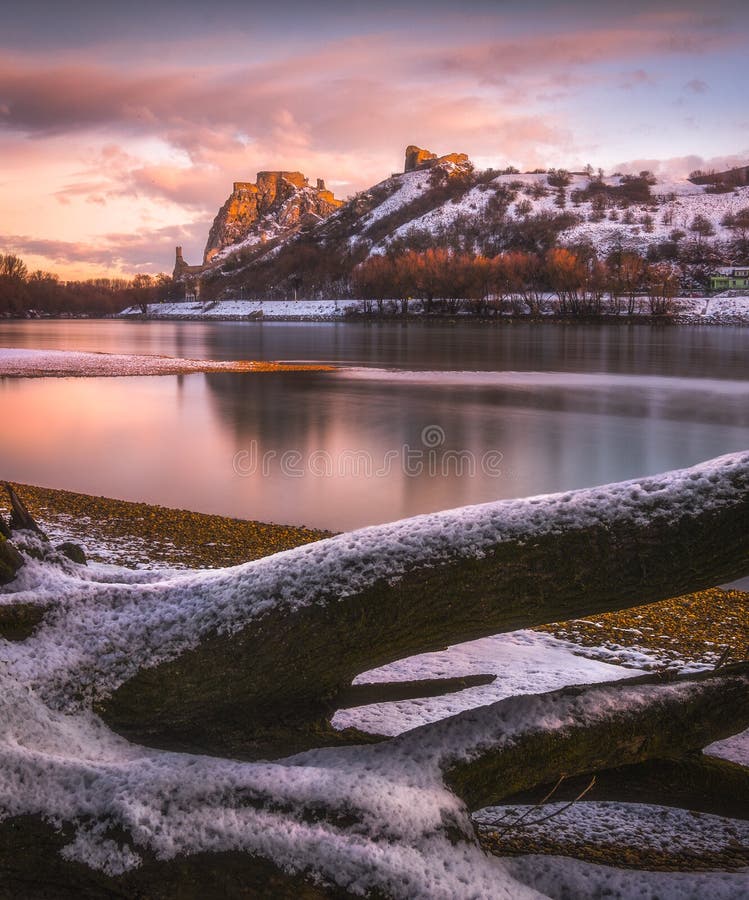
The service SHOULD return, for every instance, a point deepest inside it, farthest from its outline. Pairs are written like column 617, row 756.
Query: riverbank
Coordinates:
column 716, row 310
column 141, row 534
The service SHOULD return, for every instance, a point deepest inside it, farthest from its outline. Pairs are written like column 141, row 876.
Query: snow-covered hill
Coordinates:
column 445, row 202
column 674, row 206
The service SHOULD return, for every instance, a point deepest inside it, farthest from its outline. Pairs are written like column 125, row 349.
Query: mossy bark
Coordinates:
column 19, row 620
column 10, row 561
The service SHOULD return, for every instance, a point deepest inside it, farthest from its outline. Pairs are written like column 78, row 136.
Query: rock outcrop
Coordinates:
column 417, row 158
column 277, row 204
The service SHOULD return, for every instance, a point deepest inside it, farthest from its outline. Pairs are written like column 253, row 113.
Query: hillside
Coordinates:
column 291, row 249
column 275, row 206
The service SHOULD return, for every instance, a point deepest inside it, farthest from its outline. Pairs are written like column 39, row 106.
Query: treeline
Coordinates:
column 44, row 293
column 576, row 282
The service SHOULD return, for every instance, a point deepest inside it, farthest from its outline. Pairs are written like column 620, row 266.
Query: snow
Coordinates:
column 69, row 767
column 720, row 310
column 247, row 309
column 676, row 203
column 60, row 762
column 408, row 187
column 717, row 310
column 611, row 824
column 569, row 879
column 735, row 748
column 677, row 213
column 132, row 550
column 465, row 736
column 469, row 205
column 17, row 363
column 525, row 662
column 126, row 627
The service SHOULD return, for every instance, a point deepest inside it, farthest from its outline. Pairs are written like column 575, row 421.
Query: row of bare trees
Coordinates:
column 22, row 291
column 576, row 281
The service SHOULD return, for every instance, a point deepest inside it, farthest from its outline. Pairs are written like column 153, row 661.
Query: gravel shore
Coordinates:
column 141, row 534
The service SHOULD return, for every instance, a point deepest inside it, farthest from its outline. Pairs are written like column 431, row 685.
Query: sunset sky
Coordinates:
column 123, row 126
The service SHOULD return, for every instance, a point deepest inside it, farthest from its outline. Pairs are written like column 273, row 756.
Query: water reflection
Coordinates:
column 694, row 352
column 561, row 405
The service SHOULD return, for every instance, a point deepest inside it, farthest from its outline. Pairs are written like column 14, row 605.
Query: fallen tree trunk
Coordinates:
column 31, row 867
column 307, row 621
column 379, row 820
column 589, row 729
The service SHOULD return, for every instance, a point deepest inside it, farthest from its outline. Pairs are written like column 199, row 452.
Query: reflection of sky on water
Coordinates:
column 173, row 440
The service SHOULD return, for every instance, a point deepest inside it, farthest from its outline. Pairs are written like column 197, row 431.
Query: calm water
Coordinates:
column 418, row 417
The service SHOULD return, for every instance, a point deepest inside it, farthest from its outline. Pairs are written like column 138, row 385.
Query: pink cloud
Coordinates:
column 636, row 79
column 501, row 61
column 336, row 113
column 339, row 81
column 123, row 252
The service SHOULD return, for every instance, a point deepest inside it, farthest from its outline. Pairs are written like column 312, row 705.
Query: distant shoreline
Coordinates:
column 498, row 321
column 715, row 311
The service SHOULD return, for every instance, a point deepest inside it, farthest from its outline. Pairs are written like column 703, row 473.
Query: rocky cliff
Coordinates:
column 275, row 205
column 417, row 158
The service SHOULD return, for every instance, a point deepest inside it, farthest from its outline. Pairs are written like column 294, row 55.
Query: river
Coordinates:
column 416, row 417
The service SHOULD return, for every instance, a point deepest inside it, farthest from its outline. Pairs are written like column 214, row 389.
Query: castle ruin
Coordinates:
column 276, row 202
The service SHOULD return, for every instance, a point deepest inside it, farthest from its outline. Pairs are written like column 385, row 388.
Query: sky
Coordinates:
column 123, row 127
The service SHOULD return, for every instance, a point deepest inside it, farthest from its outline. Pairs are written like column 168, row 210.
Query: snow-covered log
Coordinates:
column 379, row 820
column 585, row 730
column 253, row 660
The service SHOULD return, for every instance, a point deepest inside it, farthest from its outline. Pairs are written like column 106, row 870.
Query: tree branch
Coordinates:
column 519, row 743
